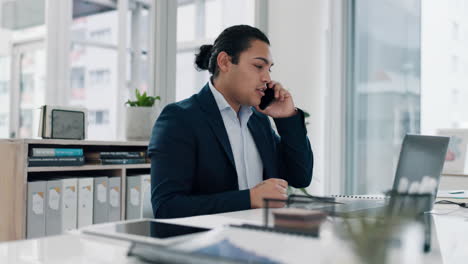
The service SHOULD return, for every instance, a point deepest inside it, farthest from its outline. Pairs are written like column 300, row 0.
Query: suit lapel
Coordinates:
column 209, row 106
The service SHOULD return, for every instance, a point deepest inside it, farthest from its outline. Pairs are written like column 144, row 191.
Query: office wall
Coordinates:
column 298, row 35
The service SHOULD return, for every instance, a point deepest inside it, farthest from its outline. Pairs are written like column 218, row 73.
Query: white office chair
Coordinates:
column 146, row 200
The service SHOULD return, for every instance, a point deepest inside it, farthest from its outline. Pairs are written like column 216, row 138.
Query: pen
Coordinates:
column 456, row 192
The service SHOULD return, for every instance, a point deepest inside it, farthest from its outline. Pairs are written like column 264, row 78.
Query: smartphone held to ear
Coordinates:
column 267, row 99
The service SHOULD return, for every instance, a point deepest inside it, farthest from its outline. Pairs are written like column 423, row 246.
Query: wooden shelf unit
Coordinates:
column 14, row 175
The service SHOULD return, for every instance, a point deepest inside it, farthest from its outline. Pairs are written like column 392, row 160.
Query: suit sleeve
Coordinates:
column 294, row 151
column 172, row 150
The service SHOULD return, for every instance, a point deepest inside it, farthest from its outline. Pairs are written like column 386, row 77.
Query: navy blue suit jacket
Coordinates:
column 192, row 165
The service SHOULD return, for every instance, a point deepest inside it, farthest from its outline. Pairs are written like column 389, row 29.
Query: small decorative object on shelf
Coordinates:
column 59, row 122
column 140, row 116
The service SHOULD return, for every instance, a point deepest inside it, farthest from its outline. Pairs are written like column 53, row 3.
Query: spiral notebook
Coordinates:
column 360, row 197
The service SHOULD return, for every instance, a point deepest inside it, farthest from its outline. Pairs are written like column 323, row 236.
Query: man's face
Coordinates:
column 247, row 79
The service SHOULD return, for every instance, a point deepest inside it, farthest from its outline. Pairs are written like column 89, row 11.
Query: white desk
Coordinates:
column 450, row 241
column 70, row 248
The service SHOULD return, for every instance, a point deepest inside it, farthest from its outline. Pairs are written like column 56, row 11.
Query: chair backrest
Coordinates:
column 146, row 200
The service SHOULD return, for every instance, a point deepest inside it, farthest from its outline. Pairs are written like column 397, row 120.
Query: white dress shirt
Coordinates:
column 249, row 165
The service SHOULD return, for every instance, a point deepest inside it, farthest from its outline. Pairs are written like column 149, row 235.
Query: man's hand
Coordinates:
column 283, row 105
column 271, row 188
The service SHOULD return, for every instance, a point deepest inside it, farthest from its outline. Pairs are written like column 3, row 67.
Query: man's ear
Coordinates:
column 224, row 61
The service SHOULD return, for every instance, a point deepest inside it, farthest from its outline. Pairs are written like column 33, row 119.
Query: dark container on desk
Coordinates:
column 298, row 220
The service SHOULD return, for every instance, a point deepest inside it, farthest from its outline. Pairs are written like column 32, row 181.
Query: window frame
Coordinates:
column 343, row 164
column 57, row 44
column 15, row 108
column 336, row 139
column 167, row 80
column 161, row 52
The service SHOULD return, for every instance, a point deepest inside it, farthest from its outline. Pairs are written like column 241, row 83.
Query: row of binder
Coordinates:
column 59, row 205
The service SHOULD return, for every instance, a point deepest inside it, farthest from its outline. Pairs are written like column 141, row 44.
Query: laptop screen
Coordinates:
column 420, row 156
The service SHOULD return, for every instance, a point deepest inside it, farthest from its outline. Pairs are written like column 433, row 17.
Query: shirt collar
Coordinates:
column 219, row 98
column 223, row 104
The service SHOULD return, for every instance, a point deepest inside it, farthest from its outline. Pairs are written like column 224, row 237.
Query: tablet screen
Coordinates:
column 153, row 229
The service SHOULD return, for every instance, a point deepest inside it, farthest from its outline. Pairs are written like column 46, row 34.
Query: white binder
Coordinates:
column 114, row 199
column 69, row 202
column 101, row 206
column 85, row 201
column 36, row 217
column 133, row 200
column 136, row 186
column 54, row 219
column 145, row 191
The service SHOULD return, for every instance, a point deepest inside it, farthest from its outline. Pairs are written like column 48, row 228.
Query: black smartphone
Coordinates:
column 268, row 98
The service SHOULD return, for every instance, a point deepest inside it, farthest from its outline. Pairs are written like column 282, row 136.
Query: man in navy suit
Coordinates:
column 216, row 151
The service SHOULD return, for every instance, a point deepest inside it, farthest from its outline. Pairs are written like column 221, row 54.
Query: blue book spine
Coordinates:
column 56, row 152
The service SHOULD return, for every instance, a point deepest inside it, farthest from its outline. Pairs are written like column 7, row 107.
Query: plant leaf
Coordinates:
column 142, row 99
column 137, row 94
column 304, row 191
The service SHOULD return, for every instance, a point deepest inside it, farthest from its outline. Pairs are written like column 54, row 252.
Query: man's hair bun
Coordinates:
column 202, row 59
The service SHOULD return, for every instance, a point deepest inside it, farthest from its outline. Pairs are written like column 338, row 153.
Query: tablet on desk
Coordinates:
column 145, row 231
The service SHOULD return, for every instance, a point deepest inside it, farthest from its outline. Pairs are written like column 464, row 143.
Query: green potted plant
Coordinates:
column 141, row 114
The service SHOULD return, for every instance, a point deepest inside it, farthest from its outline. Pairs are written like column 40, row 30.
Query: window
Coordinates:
column 3, row 87
column 22, row 66
column 102, row 117
column 185, row 21
column 195, row 28
column 93, row 65
column 78, row 34
column 4, row 124
column 77, row 84
column 444, row 72
column 98, row 64
column 94, row 59
column 455, row 31
column 3, row 120
column 455, row 95
column 4, row 75
column 26, row 123
column 384, row 90
column 32, row 90
column 454, row 63
column 101, row 35
column 99, row 77
column 98, row 117
column 404, row 78
column 77, row 78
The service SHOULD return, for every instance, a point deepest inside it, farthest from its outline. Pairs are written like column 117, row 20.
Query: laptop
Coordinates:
column 421, row 158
